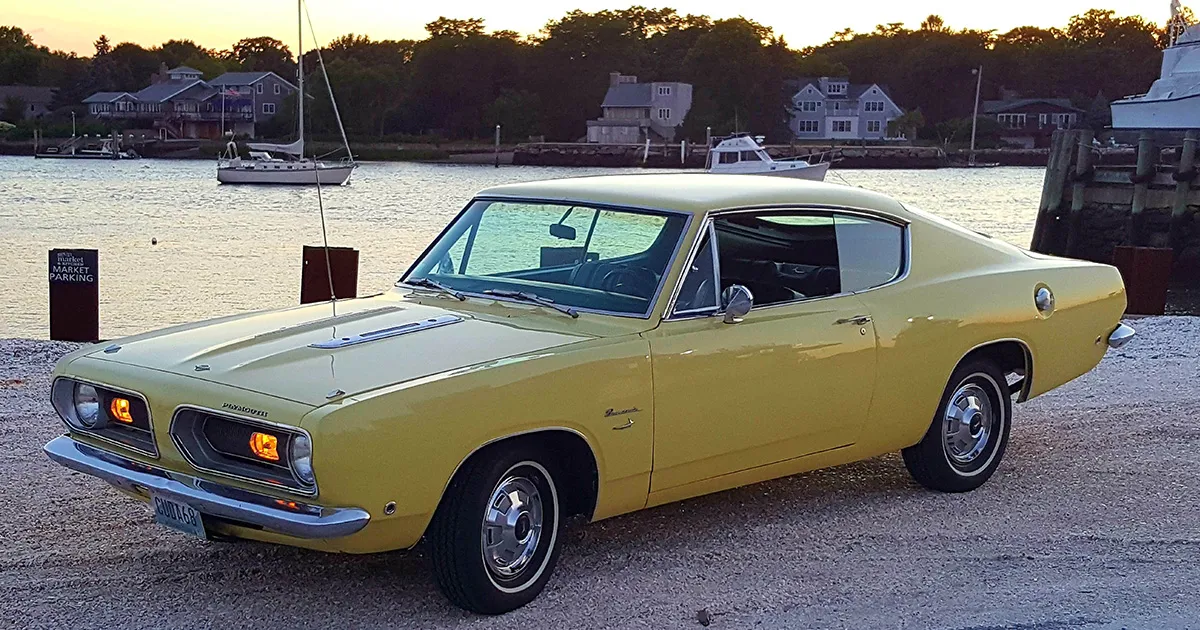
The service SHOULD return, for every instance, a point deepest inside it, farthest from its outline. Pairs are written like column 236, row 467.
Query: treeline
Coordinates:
column 462, row 80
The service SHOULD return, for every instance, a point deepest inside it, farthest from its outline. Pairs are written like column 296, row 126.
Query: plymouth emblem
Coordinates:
column 243, row 409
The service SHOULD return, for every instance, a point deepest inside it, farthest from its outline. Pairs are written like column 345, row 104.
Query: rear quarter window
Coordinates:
column 870, row 252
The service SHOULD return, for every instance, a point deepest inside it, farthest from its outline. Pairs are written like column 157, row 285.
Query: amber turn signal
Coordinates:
column 265, row 446
column 120, row 410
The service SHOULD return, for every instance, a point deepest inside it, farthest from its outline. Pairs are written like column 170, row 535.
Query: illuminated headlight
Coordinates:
column 87, row 406
column 301, row 456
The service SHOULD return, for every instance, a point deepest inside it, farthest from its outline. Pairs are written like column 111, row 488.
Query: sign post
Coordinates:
column 74, row 295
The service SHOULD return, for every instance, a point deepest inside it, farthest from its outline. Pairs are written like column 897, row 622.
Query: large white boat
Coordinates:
column 1173, row 102
column 263, row 167
column 743, row 155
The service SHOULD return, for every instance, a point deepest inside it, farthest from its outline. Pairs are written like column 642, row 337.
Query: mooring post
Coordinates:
column 497, row 146
column 1083, row 171
column 1052, row 192
column 1183, row 189
column 1147, row 161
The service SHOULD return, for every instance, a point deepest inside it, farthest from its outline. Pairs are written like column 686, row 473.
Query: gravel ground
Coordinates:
column 1090, row 522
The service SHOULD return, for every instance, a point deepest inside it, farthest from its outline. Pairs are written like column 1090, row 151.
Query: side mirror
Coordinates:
column 738, row 300
column 565, row 232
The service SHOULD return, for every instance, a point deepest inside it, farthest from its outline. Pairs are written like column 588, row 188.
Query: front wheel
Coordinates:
column 968, row 435
column 495, row 538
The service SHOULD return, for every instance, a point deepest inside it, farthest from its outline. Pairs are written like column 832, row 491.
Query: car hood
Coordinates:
column 308, row 355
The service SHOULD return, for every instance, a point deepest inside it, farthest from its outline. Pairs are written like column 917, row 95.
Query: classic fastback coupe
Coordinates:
column 589, row 347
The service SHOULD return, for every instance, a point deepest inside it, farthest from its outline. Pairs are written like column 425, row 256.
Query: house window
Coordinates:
column 873, row 106
column 664, row 113
column 837, row 88
column 268, row 108
column 874, row 126
column 278, row 89
column 259, row 88
column 808, row 126
column 1012, row 121
column 842, row 126
column 809, row 106
column 664, row 90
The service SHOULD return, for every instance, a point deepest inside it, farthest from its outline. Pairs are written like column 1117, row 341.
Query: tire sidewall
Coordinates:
column 543, row 556
column 994, row 390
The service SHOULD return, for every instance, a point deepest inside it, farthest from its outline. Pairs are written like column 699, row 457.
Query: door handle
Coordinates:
column 857, row 320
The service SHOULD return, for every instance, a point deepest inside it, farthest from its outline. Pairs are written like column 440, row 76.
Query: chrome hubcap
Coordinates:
column 512, row 526
column 968, row 425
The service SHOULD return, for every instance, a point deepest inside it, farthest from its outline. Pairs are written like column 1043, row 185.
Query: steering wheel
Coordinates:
column 636, row 281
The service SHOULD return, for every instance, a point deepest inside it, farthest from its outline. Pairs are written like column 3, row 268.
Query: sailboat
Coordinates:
column 265, row 167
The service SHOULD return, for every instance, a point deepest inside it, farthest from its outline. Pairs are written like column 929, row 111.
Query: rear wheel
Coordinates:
column 495, row 538
column 969, row 433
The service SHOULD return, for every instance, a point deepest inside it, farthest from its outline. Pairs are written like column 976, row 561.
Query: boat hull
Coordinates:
column 809, row 172
column 1144, row 113
column 283, row 175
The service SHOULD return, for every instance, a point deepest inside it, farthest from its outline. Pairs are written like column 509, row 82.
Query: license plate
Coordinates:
column 176, row 515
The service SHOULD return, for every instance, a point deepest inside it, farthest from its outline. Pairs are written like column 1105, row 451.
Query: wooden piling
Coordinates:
column 1083, row 169
column 1147, row 161
column 1046, row 228
column 1183, row 189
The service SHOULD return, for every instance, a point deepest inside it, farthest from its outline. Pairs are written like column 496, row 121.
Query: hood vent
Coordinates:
column 386, row 333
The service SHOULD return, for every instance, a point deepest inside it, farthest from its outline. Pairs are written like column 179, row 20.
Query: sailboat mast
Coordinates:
column 300, row 69
column 975, row 118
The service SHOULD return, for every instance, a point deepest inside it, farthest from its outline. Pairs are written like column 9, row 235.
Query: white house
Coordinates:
column 635, row 111
column 832, row 108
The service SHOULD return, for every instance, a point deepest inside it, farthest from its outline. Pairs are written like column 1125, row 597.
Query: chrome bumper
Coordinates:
column 239, row 506
column 1121, row 336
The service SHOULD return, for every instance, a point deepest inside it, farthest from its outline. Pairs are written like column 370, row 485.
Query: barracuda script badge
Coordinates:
column 243, row 409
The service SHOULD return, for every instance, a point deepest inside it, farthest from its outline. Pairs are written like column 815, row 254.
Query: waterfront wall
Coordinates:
column 668, row 156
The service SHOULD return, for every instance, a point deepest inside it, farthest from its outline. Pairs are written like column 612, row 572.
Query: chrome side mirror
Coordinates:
column 738, row 300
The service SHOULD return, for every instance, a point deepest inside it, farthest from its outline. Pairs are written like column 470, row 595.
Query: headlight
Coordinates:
column 87, row 406
column 301, row 456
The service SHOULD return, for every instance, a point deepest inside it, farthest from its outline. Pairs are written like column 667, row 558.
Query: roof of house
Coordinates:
column 31, row 95
column 183, row 69
column 105, row 97
column 628, row 95
column 247, row 78
column 164, row 90
column 999, row 107
column 855, row 90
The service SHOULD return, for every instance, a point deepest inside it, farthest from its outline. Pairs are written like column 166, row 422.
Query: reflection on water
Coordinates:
column 224, row 249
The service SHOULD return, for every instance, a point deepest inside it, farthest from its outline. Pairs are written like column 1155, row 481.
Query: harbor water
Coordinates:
column 225, row 249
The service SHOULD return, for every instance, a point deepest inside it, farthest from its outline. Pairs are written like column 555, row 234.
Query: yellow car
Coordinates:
column 589, row 347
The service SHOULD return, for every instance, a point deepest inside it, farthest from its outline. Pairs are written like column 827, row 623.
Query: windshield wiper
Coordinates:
column 534, row 298
column 436, row 286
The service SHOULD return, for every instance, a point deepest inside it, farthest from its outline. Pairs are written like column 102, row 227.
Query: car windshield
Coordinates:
column 590, row 258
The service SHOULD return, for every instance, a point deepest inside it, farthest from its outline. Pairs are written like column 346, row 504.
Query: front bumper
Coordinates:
column 237, row 506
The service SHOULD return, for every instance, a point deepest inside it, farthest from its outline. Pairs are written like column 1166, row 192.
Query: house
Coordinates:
column 35, row 101
column 1030, row 122
column 179, row 103
column 636, row 111
column 833, row 108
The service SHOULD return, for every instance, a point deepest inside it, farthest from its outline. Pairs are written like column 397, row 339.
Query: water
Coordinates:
column 225, row 249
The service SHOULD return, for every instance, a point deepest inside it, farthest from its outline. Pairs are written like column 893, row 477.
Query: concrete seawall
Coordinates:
column 660, row 156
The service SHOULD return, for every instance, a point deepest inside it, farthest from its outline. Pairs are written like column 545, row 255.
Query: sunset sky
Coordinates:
column 74, row 24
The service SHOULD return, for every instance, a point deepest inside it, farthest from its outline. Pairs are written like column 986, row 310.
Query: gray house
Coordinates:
column 180, row 104
column 34, row 101
column 635, row 111
column 832, row 108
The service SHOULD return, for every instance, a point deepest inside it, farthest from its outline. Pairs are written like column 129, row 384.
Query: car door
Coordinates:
column 794, row 377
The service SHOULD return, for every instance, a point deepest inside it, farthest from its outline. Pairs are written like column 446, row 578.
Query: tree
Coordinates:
column 102, row 46
column 448, row 27
column 909, row 124
column 264, row 54
column 934, row 24
column 14, row 110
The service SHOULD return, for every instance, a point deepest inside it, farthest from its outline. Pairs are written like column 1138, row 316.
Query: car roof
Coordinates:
column 699, row 193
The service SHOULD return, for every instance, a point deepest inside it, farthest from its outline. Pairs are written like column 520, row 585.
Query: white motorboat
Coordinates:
column 263, row 167
column 1173, row 102
column 743, row 155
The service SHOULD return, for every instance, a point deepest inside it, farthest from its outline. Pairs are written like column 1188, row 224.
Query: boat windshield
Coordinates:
column 592, row 259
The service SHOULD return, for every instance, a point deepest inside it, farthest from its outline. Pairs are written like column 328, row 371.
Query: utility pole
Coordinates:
column 975, row 119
